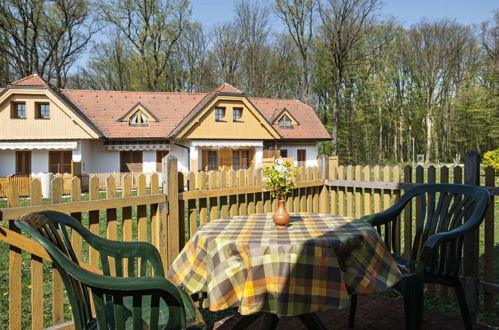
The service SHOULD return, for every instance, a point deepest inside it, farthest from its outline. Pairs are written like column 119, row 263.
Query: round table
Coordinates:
column 314, row 264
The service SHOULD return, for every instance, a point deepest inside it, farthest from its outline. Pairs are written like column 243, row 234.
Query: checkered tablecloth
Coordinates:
column 314, row 264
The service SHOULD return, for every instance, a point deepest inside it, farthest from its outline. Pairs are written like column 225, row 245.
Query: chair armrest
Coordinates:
column 386, row 216
column 392, row 212
column 434, row 241
column 122, row 249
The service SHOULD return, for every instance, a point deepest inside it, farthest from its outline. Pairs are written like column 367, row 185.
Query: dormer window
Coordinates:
column 18, row 110
column 285, row 122
column 236, row 114
column 219, row 114
column 42, row 110
column 138, row 116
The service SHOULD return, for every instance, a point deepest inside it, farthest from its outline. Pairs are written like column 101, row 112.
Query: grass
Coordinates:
column 446, row 306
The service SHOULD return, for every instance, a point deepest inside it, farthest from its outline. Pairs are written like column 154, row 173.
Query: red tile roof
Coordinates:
column 103, row 109
column 32, row 80
column 310, row 126
column 226, row 88
column 174, row 110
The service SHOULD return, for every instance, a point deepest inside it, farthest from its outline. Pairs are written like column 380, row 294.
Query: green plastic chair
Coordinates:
column 437, row 244
column 137, row 301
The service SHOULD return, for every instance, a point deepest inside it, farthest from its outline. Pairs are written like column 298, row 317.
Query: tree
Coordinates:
column 252, row 20
column 192, row 54
column 226, row 53
column 109, row 67
column 298, row 16
column 344, row 23
column 152, row 27
column 435, row 54
column 45, row 37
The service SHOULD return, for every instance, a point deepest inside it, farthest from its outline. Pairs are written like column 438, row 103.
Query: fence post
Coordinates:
column 323, row 167
column 15, row 267
column 324, row 175
column 470, row 266
column 170, row 186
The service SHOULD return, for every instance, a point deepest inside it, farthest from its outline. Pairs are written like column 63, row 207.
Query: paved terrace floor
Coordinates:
column 373, row 312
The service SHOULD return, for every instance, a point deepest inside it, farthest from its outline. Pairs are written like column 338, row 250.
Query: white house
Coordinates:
column 46, row 129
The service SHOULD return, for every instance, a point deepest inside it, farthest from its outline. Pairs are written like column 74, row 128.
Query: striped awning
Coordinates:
column 136, row 146
column 39, row 145
column 227, row 143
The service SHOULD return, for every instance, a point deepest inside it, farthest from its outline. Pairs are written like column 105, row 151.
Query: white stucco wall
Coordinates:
column 39, row 162
column 182, row 156
column 7, row 162
column 149, row 161
column 96, row 160
column 258, row 157
column 311, row 153
column 76, row 156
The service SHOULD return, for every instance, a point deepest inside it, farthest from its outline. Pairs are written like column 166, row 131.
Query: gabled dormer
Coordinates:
column 138, row 115
column 32, row 108
column 285, row 120
column 229, row 113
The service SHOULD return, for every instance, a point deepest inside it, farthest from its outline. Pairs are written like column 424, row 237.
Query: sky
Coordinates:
column 407, row 12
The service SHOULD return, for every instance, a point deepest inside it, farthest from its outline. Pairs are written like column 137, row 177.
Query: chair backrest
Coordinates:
column 442, row 208
column 51, row 230
column 52, row 233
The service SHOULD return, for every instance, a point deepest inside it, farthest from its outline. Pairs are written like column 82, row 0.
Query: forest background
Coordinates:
column 384, row 91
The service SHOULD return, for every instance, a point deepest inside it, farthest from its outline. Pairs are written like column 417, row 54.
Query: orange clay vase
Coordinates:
column 281, row 217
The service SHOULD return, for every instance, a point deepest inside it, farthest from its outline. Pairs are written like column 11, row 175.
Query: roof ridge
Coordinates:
column 39, row 81
column 227, row 88
column 272, row 98
column 122, row 92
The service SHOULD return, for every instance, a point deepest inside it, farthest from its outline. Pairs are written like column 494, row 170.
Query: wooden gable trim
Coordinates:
column 60, row 101
column 139, row 107
column 218, row 98
column 285, row 112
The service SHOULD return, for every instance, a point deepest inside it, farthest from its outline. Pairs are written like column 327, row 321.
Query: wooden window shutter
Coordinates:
column 251, row 153
column 226, row 159
column 205, row 160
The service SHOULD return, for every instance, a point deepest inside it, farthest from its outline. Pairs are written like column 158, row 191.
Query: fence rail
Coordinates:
column 189, row 200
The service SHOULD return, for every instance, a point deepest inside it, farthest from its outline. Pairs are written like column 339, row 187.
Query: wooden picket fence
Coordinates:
column 22, row 183
column 356, row 191
column 118, row 177
column 189, row 200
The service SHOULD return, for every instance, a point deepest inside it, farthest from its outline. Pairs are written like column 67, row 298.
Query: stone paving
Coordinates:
column 373, row 312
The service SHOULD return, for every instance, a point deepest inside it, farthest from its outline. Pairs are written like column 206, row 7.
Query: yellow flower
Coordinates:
column 29, row 286
column 5, row 293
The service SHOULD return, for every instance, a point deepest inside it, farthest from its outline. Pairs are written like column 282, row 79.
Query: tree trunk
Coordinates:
column 336, row 108
column 380, row 138
column 429, row 131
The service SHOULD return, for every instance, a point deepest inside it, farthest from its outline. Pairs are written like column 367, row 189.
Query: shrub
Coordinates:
column 491, row 158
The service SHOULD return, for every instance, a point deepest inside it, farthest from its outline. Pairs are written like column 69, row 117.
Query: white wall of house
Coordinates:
column 258, row 157
column 149, row 161
column 311, row 153
column 39, row 162
column 76, row 156
column 182, row 156
column 7, row 162
column 96, row 160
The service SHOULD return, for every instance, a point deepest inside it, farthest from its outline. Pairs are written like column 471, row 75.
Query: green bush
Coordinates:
column 491, row 158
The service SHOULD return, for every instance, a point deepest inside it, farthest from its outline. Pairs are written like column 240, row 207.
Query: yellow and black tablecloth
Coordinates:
column 314, row 264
